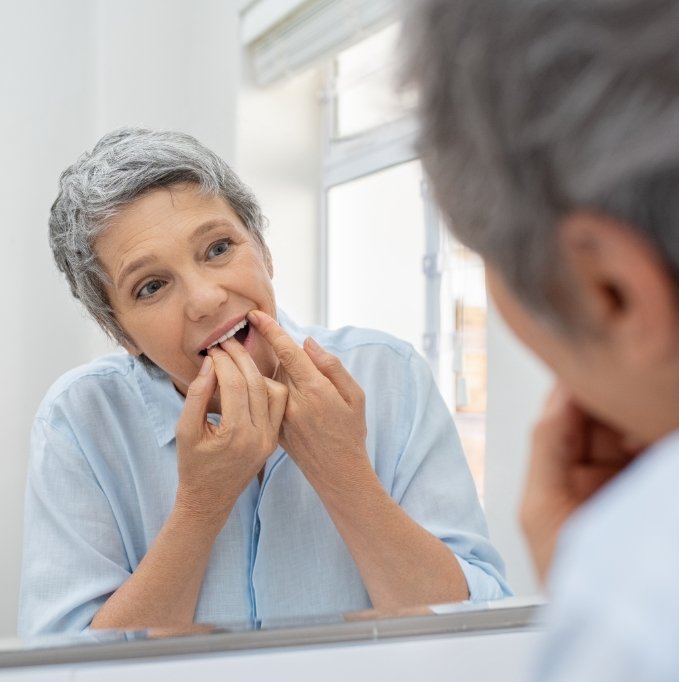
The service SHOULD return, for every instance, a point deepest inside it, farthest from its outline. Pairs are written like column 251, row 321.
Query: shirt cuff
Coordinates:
column 484, row 582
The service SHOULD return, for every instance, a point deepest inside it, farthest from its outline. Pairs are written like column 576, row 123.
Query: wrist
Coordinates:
column 351, row 482
column 201, row 518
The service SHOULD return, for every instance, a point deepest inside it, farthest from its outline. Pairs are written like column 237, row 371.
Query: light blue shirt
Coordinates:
column 615, row 586
column 103, row 476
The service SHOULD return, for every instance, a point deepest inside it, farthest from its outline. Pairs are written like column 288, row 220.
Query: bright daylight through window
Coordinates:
column 390, row 263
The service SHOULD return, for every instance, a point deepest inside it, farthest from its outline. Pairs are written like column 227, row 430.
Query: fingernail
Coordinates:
column 311, row 343
column 252, row 316
column 206, row 366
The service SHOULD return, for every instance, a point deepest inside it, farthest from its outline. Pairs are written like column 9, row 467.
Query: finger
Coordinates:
column 256, row 388
column 277, row 395
column 232, row 386
column 559, row 438
column 294, row 360
column 561, row 426
column 607, row 446
column 331, row 367
column 588, row 479
column 192, row 420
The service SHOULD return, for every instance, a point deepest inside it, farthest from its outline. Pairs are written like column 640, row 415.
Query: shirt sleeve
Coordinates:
column 433, row 484
column 73, row 555
column 614, row 610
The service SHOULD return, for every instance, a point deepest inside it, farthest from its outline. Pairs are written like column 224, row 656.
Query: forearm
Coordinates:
column 163, row 590
column 401, row 563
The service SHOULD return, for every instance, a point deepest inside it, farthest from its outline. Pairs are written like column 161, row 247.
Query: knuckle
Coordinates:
column 287, row 356
column 276, row 389
column 237, row 382
column 258, row 385
column 197, row 387
column 182, row 432
column 293, row 410
column 269, row 443
column 280, row 393
column 332, row 362
column 541, row 427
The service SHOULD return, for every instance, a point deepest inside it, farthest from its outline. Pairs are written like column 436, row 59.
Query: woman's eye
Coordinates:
column 149, row 288
column 219, row 248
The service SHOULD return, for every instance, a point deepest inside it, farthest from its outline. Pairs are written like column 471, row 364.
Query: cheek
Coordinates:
column 151, row 332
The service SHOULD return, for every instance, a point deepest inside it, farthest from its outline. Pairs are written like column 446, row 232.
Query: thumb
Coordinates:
column 198, row 395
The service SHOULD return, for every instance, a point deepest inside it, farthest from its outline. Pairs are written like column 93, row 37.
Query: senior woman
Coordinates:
column 231, row 466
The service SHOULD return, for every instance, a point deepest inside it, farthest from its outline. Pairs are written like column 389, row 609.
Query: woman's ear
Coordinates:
column 267, row 259
column 623, row 291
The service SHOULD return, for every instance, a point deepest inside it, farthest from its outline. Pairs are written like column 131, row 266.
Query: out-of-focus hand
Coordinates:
column 573, row 455
column 216, row 463
column 324, row 428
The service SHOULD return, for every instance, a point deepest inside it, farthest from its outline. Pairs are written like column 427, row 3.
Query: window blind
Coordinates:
column 308, row 33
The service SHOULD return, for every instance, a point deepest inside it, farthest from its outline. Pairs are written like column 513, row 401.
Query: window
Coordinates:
column 389, row 262
column 386, row 260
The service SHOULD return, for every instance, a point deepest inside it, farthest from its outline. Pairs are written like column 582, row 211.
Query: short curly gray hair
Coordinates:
column 123, row 165
column 533, row 109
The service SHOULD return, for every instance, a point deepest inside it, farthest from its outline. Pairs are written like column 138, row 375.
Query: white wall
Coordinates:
column 69, row 71
column 278, row 152
column 517, row 385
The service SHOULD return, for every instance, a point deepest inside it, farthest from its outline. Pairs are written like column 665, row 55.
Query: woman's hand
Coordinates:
column 324, row 428
column 216, row 463
column 573, row 455
column 324, row 432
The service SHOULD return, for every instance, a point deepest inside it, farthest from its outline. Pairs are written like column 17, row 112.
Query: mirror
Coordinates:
column 295, row 651
column 72, row 72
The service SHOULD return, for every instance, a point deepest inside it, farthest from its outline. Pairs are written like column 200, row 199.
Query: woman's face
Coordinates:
column 184, row 271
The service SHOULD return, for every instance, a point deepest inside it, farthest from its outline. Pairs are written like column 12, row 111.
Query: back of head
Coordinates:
column 122, row 166
column 532, row 109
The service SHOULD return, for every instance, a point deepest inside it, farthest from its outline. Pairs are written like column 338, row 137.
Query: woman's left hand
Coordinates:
column 324, row 427
column 324, row 432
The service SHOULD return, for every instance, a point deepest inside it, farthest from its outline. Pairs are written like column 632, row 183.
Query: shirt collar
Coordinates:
column 163, row 403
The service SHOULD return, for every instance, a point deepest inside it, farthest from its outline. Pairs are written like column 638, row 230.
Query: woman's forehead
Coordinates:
column 160, row 219
column 174, row 202
column 183, row 208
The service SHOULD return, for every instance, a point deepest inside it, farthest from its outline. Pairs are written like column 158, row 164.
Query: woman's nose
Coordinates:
column 203, row 297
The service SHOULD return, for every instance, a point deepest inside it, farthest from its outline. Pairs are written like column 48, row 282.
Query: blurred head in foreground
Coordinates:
column 550, row 132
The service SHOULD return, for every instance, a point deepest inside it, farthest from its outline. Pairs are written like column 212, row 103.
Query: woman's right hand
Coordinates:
column 216, row 463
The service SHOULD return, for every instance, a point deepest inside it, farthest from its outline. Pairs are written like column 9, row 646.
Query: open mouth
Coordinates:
column 239, row 331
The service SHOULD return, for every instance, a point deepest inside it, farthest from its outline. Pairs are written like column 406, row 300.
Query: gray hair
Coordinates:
column 531, row 109
column 123, row 165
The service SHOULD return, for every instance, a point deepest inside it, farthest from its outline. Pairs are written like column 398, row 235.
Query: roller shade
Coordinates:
column 302, row 34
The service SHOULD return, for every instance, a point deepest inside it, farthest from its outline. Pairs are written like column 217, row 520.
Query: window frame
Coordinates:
column 372, row 151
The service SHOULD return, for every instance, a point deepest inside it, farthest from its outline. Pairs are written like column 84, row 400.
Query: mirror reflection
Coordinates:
column 366, row 500
column 232, row 464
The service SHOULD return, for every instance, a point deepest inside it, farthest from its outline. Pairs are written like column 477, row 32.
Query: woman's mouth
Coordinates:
column 240, row 331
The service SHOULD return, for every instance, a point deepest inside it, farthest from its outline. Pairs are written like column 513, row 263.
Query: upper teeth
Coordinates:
column 230, row 333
